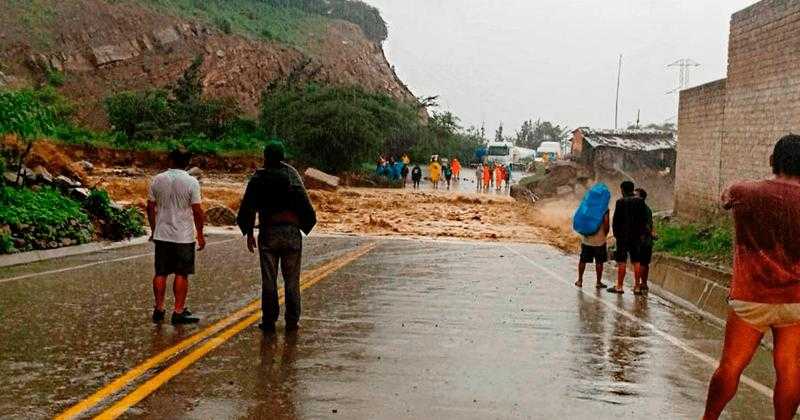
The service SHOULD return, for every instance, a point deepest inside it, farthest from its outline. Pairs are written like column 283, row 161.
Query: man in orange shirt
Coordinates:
column 765, row 290
column 487, row 177
column 455, row 165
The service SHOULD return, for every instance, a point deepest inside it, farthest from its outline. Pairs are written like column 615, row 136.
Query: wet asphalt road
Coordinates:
column 410, row 330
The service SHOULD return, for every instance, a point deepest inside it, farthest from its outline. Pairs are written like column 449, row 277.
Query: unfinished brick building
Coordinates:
column 727, row 128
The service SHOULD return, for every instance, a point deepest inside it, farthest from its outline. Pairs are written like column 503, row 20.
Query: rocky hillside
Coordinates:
column 92, row 48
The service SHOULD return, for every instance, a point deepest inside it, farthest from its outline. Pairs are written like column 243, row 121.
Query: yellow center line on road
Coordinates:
column 308, row 279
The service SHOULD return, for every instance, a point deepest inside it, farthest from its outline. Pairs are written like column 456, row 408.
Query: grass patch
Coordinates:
column 710, row 243
column 255, row 19
column 40, row 220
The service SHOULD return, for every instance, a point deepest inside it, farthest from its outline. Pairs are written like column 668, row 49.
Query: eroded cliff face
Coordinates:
column 104, row 47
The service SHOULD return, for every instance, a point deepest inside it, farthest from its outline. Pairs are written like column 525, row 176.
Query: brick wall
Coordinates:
column 700, row 130
column 761, row 103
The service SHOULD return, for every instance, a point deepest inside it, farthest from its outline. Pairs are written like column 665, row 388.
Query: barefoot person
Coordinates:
column 765, row 290
column 591, row 221
column 276, row 193
column 175, row 216
column 646, row 249
column 628, row 225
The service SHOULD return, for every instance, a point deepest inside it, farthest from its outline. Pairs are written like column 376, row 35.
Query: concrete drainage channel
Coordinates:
column 696, row 287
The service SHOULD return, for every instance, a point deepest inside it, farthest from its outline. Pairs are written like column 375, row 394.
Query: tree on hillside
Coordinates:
column 335, row 128
column 533, row 133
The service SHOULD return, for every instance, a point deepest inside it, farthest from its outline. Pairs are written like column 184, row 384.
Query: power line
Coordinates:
column 685, row 66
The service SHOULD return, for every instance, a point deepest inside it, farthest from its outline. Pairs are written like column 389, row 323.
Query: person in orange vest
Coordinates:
column 498, row 177
column 456, row 167
column 487, row 177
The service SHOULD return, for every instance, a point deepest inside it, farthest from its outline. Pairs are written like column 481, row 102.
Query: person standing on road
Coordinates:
column 175, row 216
column 499, row 176
column 487, row 178
column 448, row 174
column 456, row 166
column 416, row 176
column 765, row 289
column 404, row 174
column 646, row 250
column 479, row 176
column 508, row 176
column 435, row 171
column 628, row 224
column 277, row 194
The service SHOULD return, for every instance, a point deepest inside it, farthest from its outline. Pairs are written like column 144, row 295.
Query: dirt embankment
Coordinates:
column 107, row 46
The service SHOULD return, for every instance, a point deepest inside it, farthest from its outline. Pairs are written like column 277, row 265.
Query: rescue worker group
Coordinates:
column 444, row 173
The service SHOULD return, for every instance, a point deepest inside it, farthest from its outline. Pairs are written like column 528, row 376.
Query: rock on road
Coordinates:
column 412, row 329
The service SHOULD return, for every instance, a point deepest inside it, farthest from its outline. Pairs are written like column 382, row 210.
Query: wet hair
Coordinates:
column 642, row 193
column 786, row 156
column 274, row 153
column 627, row 187
column 179, row 158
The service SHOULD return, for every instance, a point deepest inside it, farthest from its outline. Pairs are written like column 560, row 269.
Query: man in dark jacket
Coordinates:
column 629, row 226
column 277, row 194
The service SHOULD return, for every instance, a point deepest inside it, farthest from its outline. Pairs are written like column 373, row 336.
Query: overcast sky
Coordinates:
column 511, row 60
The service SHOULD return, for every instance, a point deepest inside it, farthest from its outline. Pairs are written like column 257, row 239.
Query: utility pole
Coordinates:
column 616, row 104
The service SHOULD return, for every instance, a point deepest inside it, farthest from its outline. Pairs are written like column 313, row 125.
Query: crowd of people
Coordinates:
column 444, row 173
column 492, row 175
column 440, row 171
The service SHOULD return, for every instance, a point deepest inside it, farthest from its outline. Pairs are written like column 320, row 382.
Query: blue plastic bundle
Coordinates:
column 589, row 216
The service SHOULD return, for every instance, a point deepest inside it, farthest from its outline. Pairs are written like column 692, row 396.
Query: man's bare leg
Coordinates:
column 598, row 268
column 637, row 276
column 645, row 276
column 787, row 369
column 621, row 271
column 581, row 270
column 180, row 287
column 741, row 342
column 159, row 290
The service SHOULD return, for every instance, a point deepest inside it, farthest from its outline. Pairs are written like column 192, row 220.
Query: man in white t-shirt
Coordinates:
column 174, row 213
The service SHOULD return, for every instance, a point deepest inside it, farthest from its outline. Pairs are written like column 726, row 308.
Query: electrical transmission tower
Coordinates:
column 685, row 66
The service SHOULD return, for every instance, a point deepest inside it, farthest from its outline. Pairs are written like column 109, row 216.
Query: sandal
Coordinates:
column 637, row 291
column 615, row 290
column 601, row 286
column 578, row 284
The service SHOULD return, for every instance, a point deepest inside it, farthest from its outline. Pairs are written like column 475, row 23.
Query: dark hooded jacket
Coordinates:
column 272, row 192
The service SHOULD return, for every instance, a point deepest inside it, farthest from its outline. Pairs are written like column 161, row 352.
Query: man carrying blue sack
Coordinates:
column 591, row 221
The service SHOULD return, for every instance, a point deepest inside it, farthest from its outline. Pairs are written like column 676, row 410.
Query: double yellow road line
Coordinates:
column 232, row 325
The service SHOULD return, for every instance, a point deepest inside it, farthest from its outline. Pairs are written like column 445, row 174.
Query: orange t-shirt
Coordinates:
column 766, row 267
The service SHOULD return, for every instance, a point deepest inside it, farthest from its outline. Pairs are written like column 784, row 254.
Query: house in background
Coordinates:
column 624, row 151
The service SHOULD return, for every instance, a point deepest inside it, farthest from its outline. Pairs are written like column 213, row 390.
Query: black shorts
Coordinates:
column 628, row 249
column 174, row 258
column 594, row 254
column 646, row 254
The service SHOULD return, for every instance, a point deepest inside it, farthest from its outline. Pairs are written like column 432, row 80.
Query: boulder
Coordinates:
column 80, row 194
column 318, row 180
column 65, row 182
column 86, row 166
column 42, row 175
column 196, row 172
column 220, row 216
column 11, row 178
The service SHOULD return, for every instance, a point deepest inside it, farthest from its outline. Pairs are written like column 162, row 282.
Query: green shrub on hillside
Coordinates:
column 334, row 128
column 41, row 219
column 358, row 12
column 180, row 112
column 117, row 223
column 30, row 113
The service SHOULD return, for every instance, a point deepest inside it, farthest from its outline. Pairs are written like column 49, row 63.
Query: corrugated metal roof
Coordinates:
column 639, row 140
